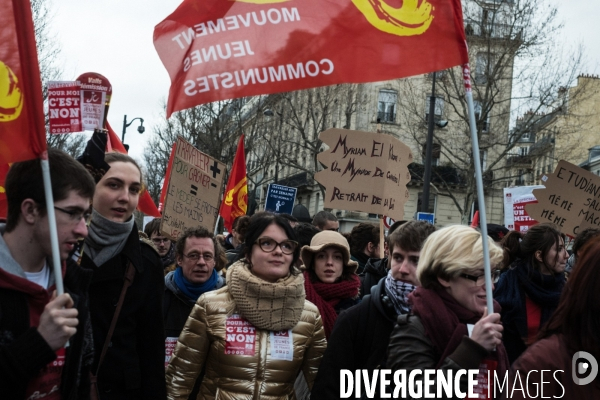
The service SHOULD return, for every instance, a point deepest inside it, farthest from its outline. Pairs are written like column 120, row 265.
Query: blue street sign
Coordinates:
column 280, row 199
column 429, row 217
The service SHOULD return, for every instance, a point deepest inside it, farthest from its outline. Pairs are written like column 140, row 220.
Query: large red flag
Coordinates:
column 215, row 49
column 163, row 192
column 22, row 131
column 235, row 202
column 145, row 204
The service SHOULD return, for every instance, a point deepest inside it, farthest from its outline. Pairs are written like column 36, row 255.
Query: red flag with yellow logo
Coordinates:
column 215, row 49
column 22, row 130
column 235, row 202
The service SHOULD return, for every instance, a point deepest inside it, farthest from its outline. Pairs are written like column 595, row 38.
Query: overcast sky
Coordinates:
column 114, row 38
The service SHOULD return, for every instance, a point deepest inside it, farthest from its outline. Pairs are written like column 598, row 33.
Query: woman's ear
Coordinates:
column 443, row 282
column 538, row 256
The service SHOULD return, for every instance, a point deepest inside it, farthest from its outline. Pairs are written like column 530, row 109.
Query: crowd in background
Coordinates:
column 277, row 307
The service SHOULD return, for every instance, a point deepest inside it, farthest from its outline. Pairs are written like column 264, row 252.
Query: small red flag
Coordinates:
column 235, row 202
column 215, row 49
column 145, row 204
column 163, row 193
column 22, row 130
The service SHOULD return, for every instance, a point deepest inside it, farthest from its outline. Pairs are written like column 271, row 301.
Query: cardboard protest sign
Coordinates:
column 64, row 107
column 570, row 199
column 194, row 190
column 511, row 195
column 366, row 171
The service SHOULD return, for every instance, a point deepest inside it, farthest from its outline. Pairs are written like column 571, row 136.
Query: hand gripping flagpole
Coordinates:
column 479, row 181
column 52, row 222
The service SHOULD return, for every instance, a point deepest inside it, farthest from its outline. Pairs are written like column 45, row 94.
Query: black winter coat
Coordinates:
column 375, row 269
column 134, row 365
column 359, row 340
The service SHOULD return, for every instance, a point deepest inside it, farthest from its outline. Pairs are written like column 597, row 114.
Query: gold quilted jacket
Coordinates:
column 202, row 344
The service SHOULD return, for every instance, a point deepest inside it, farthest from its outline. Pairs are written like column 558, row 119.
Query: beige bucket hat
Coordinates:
column 327, row 239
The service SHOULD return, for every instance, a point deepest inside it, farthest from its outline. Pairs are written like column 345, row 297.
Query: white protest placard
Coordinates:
column 366, row 171
column 512, row 195
column 64, row 107
column 194, row 191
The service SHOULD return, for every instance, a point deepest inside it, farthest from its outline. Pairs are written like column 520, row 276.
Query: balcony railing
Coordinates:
column 491, row 30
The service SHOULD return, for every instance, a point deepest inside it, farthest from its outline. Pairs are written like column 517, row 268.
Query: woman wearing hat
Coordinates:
column 330, row 279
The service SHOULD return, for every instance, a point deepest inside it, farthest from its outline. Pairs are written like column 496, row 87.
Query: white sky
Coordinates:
column 114, row 38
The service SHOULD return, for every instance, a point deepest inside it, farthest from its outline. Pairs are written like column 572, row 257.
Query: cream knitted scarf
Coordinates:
column 270, row 306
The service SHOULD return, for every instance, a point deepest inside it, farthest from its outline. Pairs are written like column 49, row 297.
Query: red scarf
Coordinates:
column 327, row 295
column 445, row 322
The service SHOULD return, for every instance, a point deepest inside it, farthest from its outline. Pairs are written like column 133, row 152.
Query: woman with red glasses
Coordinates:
column 253, row 337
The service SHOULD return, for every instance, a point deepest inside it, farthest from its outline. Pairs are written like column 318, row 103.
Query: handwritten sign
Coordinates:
column 194, row 190
column 570, row 199
column 366, row 171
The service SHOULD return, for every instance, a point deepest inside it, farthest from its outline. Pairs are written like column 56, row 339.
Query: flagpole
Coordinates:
column 52, row 222
column 217, row 225
column 480, row 195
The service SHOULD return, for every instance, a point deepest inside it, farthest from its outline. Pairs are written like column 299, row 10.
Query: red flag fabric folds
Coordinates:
column 215, row 49
column 22, row 130
column 163, row 192
column 145, row 204
column 235, row 202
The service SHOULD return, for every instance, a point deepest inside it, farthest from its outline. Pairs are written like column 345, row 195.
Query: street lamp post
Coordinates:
column 429, row 147
column 140, row 129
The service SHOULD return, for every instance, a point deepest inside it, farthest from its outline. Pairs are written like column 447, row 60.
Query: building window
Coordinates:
column 386, row 107
column 483, row 159
column 482, row 124
column 523, row 151
column 438, row 109
column 483, row 68
column 317, row 202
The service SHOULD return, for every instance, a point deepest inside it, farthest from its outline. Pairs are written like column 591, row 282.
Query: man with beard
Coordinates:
column 361, row 334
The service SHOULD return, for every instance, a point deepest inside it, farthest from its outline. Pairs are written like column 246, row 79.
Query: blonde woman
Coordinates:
column 449, row 327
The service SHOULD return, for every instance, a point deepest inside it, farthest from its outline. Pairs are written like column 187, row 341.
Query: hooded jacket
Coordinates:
column 250, row 372
column 375, row 269
column 23, row 351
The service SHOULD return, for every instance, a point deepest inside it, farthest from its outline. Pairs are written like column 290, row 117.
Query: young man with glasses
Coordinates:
column 199, row 257
column 35, row 324
column 165, row 248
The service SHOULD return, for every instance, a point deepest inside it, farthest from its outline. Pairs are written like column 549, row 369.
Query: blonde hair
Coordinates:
column 450, row 251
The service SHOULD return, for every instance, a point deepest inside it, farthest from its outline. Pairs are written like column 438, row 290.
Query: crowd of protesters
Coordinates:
column 278, row 307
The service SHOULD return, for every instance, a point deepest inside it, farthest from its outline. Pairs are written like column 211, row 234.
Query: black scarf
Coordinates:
column 523, row 280
column 169, row 258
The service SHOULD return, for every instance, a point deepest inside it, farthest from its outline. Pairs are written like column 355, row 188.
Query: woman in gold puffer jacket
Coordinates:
column 251, row 338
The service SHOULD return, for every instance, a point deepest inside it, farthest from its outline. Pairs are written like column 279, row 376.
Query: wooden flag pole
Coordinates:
column 381, row 237
column 480, row 195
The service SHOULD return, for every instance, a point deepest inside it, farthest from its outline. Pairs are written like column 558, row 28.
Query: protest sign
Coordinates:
column 366, row 171
column 570, row 199
column 95, row 98
column 511, row 195
column 280, row 199
column 194, row 190
column 64, row 107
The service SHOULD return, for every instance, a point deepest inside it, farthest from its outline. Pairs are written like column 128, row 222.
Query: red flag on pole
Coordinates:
column 145, row 204
column 22, row 130
column 235, row 202
column 163, row 193
column 215, row 49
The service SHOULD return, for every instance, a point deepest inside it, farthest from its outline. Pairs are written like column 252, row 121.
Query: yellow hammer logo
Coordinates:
column 412, row 18
column 11, row 97
column 229, row 195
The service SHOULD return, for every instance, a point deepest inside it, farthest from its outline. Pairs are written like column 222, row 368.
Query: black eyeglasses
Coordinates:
column 268, row 245
column 480, row 279
column 158, row 241
column 76, row 216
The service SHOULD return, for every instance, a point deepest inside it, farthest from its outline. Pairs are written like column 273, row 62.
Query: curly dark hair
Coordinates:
column 361, row 235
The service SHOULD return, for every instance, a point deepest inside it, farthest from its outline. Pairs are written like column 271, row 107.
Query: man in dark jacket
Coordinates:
column 364, row 244
column 361, row 334
column 35, row 324
column 199, row 257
